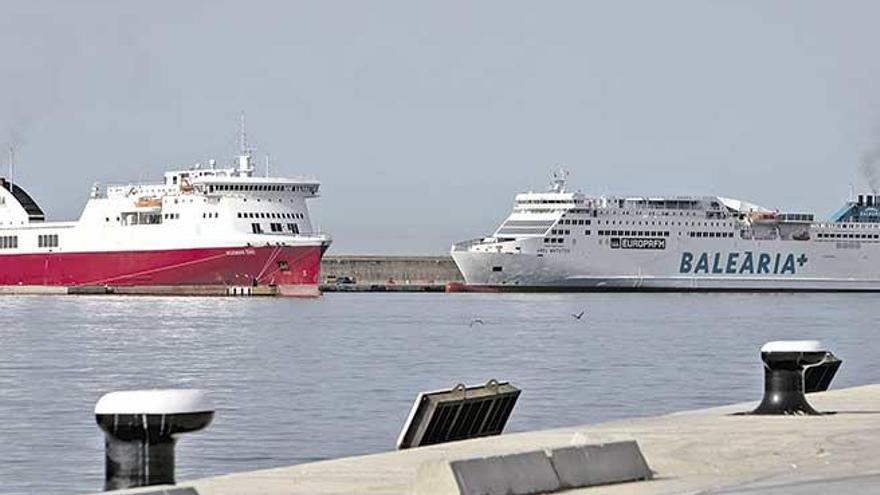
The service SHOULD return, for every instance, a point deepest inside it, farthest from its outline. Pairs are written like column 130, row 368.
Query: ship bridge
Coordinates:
column 219, row 185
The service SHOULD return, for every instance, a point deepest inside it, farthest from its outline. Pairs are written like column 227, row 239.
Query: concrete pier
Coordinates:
column 709, row 451
column 137, row 290
column 388, row 273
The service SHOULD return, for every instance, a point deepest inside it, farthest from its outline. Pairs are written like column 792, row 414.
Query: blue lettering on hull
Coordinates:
column 746, row 262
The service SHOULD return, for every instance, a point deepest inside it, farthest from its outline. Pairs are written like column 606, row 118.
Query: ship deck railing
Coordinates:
column 465, row 245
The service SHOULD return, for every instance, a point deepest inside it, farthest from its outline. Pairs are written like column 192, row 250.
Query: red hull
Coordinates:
column 290, row 266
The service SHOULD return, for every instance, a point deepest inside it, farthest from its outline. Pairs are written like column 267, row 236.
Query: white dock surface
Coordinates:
column 704, row 451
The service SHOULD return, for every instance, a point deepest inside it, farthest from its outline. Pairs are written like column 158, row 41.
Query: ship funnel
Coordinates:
column 861, row 200
column 791, row 369
column 140, row 431
column 869, row 200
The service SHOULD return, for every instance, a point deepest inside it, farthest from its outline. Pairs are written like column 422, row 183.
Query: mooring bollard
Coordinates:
column 140, row 430
column 785, row 362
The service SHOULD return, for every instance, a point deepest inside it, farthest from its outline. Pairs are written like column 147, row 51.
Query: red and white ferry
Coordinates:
column 200, row 226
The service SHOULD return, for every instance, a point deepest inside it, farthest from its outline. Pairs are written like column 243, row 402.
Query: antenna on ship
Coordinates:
column 242, row 135
column 558, row 180
column 267, row 165
column 11, row 165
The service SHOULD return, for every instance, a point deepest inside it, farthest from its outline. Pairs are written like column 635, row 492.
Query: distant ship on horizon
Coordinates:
column 199, row 226
column 564, row 240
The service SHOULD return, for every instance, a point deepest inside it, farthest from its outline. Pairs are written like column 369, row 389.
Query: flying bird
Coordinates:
column 578, row 316
column 476, row 321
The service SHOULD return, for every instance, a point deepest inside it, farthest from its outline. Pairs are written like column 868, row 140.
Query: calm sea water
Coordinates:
column 302, row 380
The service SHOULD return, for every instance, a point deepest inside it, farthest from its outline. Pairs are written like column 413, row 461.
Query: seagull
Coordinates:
column 578, row 316
column 476, row 321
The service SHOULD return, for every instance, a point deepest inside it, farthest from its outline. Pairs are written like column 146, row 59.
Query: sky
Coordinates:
column 423, row 119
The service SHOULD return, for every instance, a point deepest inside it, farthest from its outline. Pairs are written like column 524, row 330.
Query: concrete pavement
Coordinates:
column 704, row 451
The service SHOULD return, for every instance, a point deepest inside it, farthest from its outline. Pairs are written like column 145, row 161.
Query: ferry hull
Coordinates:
column 529, row 273
column 294, row 269
column 633, row 285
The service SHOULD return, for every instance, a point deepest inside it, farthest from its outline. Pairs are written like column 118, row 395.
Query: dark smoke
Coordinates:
column 870, row 169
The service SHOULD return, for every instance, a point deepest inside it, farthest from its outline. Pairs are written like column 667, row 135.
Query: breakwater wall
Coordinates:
column 387, row 273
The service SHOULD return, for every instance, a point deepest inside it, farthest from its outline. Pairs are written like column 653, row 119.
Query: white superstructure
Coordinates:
column 195, row 207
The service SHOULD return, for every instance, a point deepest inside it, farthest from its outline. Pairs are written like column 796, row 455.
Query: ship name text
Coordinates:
column 745, row 262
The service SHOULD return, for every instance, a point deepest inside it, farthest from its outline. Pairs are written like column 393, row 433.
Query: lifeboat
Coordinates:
column 148, row 202
column 764, row 215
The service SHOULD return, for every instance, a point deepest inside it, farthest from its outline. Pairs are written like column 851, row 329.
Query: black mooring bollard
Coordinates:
column 140, row 430
column 785, row 362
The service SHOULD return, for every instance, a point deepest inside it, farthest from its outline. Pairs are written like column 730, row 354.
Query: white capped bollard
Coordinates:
column 140, row 430
column 785, row 364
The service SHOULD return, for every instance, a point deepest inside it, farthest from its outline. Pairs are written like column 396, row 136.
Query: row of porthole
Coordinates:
column 269, row 215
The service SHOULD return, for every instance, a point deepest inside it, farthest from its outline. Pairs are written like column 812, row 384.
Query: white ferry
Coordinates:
column 563, row 240
column 199, row 226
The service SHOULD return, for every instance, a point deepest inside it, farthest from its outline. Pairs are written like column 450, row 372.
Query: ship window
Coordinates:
column 586, row 232
column 47, row 240
column 239, row 214
column 255, row 227
column 8, row 242
column 293, row 228
column 496, row 268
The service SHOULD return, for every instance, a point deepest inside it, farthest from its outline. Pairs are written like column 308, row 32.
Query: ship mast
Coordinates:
column 244, row 158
